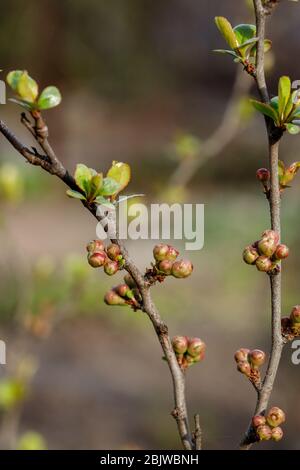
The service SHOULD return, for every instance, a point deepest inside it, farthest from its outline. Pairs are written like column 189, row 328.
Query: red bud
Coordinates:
column 257, row 357
column 258, row 420
column 113, row 252
column 241, row 355
column 111, row 267
column 182, row 269
column 97, row 259
column 196, row 347
column 112, row 298
column 263, row 175
column 295, row 314
column 172, row 253
column 95, row 245
column 165, row 267
column 282, row 251
column 271, row 234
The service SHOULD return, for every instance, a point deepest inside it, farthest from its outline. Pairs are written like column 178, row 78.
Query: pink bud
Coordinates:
column 95, row 245
column 196, row 347
column 250, row 255
column 271, row 234
column 172, row 253
column 258, row 420
column 113, row 252
column 160, row 252
column 182, row 269
column 112, row 298
column 97, row 259
column 180, row 344
column 111, row 267
column 263, row 263
column 264, row 433
column 282, row 251
column 295, row 314
column 241, row 355
column 257, row 357
column 244, row 368
column 165, row 267
column 275, row 416
column 277, row 434
column 263, row 175
column 124, row 290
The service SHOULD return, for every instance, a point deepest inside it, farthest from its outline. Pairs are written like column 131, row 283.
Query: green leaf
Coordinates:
column 281, row 168
column 226, row 51
column 27, row 88
column 109, row 187
column 104, row 202
column 284, row 92
column 24, row 104
column 83, row 177
column 292, row 128
column 266, row 109
column 121, row 173
column 244, row 32
column 267, row 47
column 13, row 78
column 49, row 98
column 95, row 185
column 226, row 30
column 75, row 194
column 245, row 48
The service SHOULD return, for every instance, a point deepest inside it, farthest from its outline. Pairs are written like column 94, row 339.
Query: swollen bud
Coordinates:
column 182, row 269
column 267, row 246
column 250, row 255
column 160, row 252
column 258, row 420
column 165, row 267
column 95, row 245
column 264, row 264
column 241, row 355
column 264, row 433
column 257, row 358
column 129, row 281
column 263, row 175
column 244, row 368
column 124, row 291
column 282, row 252
column 277, row 434
column 275, row 416
column 272, row 234
column 97, row 259
column 112, row 298
column 111, row 267
column 295, row 314
column 180, row 344
column 113, row 252
column 172, row 253
column 196, row 348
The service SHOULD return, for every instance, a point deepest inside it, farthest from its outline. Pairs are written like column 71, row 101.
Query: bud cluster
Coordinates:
column 249, row 362
column 290, row 326
column 124, row 294
column 268, row 427
column 110, row 258
column 188, row 351
column 167, row 264
column 266, row 253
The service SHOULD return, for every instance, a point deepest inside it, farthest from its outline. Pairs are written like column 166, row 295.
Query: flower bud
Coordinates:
column 129, row 280
column 250, row 255
column 258, row 420
column 97, row 259
column 257, row 357
column 282, row 252
column 285, row 323
column 113, row 252
column 264, row 433
column 196, row 347
column 160, row 252
column 271, row 234
column 165, row 267
column 180, row 344
column 172, row 253
column 182, row 269
column 295, row 314
column 95, row 245
column 263, row 263
column 189, row 360
column 277, row 434
column 275, row 416
column 244, row 368
column 112, row 298
column 263, row 175
column 267, row 246
column 111, row 267
column 241, row 355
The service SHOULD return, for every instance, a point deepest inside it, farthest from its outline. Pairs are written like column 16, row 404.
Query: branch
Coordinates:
column 50, row 163
column 263, row 395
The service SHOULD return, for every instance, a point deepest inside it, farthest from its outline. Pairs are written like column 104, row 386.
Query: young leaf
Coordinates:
column 266, row 109
column 95, row 185
column 49, row 98
column 121, row 173
column 281, row 168
column 292, row 128
column 13, row 78
column 109, row 187
column 284, row 92
column 104, row 202
column 83, row 177
column 75, row 194
column 24, row 104
column 244, row 32
column 27, row 88
column 226, row 51
column 226, row 30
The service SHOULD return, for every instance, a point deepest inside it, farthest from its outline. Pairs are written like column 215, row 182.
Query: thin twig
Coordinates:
column 197, row 433
column 50, row 163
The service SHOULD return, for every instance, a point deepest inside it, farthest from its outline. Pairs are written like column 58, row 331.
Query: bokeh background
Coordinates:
column 140, row 84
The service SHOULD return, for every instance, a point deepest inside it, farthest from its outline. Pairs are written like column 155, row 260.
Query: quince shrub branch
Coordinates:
column 93, row 189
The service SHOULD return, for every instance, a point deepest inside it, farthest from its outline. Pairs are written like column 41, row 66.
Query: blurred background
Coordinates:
column 140, row 84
